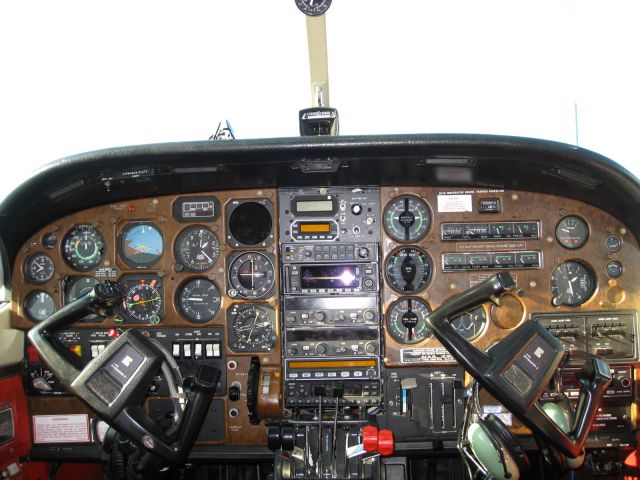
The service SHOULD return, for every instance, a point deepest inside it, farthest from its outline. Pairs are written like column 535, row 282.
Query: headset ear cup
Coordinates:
column 501, row 431
column 563, row 417
column 482, row 443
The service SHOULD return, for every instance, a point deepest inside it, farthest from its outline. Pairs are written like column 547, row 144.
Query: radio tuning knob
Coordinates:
column 320, row 316
column 368, row 315
column 363, row 252
column 321, row 348
column 370, row 348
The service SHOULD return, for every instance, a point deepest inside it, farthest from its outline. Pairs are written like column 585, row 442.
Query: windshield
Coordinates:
column 80, row 76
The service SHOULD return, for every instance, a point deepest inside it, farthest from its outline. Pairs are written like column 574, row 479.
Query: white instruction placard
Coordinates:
column 61, row 428
column 455, row 203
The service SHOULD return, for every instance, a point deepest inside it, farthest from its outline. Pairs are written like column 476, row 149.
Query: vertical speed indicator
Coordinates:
column 407, row 218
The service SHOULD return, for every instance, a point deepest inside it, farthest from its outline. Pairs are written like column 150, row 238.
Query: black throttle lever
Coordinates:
column 594, row 377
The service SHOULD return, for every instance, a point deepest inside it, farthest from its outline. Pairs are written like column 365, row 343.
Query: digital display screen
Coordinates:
column 329, row 276
column 314, row 206
column 333, row 364
column 329, row 334
column 315, row 228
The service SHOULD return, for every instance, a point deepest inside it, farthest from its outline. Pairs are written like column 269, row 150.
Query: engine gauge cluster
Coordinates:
column 406, row 320
column 407, row 218
column 408, row 270
column 251, row 327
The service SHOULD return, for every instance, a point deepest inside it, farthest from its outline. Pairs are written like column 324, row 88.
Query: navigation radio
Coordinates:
column 331, row 310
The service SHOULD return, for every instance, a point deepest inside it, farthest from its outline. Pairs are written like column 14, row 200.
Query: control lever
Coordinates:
column 114, row 383
column 517, row 369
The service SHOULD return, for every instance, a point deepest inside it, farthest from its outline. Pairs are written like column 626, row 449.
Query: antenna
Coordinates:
column 320, row 119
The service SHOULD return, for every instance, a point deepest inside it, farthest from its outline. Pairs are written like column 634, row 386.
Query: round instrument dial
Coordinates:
column 313, row 8
column 470, row 324
column 39, row 306
column 408, row 270
column 251, row 275
column 250, row 223
column 252, row 328
column 141, row 245
column 406, row 320
column 199, row 300
column 143, row 300
column 407, row 218
column 572, row 232
column 572, row 283
column 39, row 268
column 197, row 248
column 76, row 287
column 83, row 248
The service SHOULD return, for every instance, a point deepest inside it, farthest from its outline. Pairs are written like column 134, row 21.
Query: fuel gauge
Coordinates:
column 572, row 232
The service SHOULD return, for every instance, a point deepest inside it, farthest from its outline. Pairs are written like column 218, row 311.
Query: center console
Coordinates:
column 330, row 248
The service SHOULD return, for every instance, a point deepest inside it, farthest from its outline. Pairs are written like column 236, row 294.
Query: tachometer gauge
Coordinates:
column 197, row 248
column 572, row 283
column 143, row 299
column 408, row 270
column 39, row 306
column 251, row 275
column 83, row 248
column 572, row 232
column 251, row 327
column 406, row 320
column 470, row 324
column 141, row 244
column 199, row 300
column 407, row 218
column 39, row 268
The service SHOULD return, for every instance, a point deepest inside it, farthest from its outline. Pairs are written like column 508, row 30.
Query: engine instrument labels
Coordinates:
column 61, row 428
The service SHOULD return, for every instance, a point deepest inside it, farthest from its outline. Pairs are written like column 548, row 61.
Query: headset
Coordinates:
column 488, row 445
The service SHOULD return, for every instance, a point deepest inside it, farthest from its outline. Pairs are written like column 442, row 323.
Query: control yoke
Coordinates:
column 518, row 368
column 115, row 382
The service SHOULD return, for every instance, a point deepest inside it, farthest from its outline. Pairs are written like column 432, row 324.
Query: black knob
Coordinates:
column 234, row 393
column 625, row 382
column 363, row 252
column 288, row 436
column 368, row 315
column 356, row 209
column 321, row 348
column 368, row 282
column 274, row 439
column 320, row 316
column 370, row 348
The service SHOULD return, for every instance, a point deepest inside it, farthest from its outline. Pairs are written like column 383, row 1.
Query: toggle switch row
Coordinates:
column 196, row 350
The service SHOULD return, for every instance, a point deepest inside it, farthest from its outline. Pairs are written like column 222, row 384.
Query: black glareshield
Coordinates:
column 518, row 368
column 115, row 382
